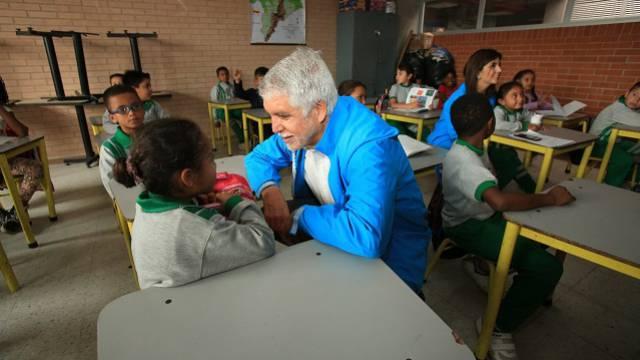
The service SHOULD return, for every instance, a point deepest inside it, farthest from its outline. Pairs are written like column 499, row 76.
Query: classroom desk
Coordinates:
column 51, row 102
column 310, row 301
column 581, row 141
column 227, row 105
column 571, row 122
column 578, row 229
column 619, row 131
column 421, row 119
column 425, row 162
column 12, row 148
column 370, row 103
column 261, row 117
column 161, row 94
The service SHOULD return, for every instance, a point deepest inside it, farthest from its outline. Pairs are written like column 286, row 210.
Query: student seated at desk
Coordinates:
column 141, row 83
column 126, row 111
column 24, row 167
column 447, row 88
column 175, row 240
column 252, row 95
column 472, row 217
column 221, row 91
column 355, row 89
column 625, row 111
column 511, row 117
column 527, row 78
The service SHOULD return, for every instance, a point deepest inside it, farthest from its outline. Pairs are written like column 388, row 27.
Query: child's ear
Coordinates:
column 112, row 117
column 491, row 126
column 501, row 101
column 186, row 178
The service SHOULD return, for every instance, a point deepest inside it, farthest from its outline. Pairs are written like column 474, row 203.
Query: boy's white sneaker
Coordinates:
column 502, row 346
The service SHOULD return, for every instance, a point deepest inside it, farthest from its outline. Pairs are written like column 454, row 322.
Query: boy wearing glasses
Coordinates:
column 127, row 111
column 141, row 83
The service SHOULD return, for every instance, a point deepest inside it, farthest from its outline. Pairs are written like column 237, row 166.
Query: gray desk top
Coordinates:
column 234, row 101
column 259, row 113
column 427, row 159
column 577, row 136
column 295, row 305
column 567, row 118
column 603, row 218
column 126, row 197
column 47, row 102
column 18, row 141
column 627, row 127
column 425, row 115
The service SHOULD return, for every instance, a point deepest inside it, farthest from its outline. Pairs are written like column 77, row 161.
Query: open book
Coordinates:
column 412, row 146
column 562, row 111
column 423, row 95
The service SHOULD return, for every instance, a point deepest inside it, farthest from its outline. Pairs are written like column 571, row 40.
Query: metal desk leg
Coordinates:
column 245, row 129
column 607, row 155
column 228, row 124
column 545, row 169
column 7, row 272
column 497, row 289
column 212, row 121
column 46, row 180
column 584, row 161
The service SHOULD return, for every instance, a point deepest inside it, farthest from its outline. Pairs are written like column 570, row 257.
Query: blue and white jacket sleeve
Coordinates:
column 362, row 225
column 264, row 163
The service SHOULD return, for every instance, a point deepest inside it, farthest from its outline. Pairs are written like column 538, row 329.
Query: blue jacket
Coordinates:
column 443, row 134
column 378, row 212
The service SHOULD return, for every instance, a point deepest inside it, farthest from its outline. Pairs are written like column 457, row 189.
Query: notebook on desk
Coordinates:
column 424, row 96
column 412, row 146
column 562, row 111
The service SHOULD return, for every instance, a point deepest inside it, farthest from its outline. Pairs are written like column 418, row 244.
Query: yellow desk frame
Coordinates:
column 582, row 121
column 262, row 121
column 512, row 231
column 615, row 134
column 7, row 272
column 548, row 153
column 419, row 122
column 226, row 108
column 39, row 146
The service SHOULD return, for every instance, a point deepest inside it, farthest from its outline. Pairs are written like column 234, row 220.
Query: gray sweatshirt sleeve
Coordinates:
column 243, row 239
column 106, row 168
column 623, row 115
column 161, row 113
column 503, row 123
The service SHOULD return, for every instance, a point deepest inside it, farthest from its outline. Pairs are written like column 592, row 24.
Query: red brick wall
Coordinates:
column 193, row 40
column 592, row 64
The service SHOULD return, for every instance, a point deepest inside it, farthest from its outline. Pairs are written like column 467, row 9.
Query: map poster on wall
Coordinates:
column 278, row 22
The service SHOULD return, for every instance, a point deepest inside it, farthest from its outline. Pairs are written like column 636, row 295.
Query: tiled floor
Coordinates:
column 81, row 265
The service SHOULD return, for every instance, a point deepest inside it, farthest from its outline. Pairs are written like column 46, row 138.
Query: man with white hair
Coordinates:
column 345, row 157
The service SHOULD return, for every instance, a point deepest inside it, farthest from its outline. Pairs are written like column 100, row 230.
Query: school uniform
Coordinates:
column 116, row 147
column 224, row 91
column 624, row 151
column 504, row 158
column 479, row 229
column 400, row 92
column 176, row 242
column 152, row 111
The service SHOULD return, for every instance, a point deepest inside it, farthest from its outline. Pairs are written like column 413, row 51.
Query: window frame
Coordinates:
column 566, row 21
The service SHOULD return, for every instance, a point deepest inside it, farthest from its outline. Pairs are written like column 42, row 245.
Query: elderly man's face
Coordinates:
column 290, row 124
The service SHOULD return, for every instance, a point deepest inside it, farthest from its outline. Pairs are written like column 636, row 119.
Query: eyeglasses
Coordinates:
column 124, row 109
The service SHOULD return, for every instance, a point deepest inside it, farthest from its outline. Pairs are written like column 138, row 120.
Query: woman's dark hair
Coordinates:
column 117, row 90
column 506, row 87
column 160, row 150
column 133, row 78
column 348, row 86
column 518, row 77
column 474, row 66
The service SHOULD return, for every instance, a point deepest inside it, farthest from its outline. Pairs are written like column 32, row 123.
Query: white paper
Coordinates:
column 562, row 111
column 412, row 146
column 545, row 140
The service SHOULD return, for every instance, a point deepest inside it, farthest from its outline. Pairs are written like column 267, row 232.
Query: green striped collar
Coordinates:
column 121, row 138
column 473, row 148
column 155, row 203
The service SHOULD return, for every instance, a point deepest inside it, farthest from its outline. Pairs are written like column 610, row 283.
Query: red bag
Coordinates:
column 228, row 182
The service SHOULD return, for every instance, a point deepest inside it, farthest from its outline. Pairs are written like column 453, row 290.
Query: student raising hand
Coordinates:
column 237, row 76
